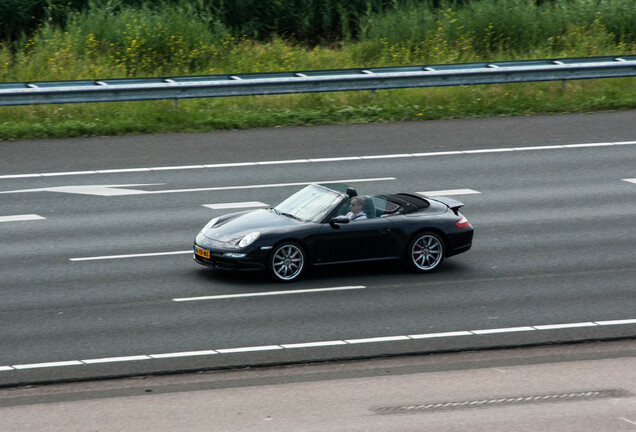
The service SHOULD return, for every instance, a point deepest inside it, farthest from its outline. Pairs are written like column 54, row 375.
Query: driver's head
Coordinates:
column 356, row 204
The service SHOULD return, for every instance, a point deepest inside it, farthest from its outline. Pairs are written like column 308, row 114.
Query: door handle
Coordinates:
column 384, row 230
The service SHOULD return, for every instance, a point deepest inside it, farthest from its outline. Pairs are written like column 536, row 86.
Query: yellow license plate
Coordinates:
column 202, row 252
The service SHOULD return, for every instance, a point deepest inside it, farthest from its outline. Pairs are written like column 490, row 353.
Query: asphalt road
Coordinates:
column 561, row 388
column 96, row 235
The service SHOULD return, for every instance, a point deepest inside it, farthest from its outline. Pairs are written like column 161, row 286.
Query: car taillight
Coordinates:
column 463, row 222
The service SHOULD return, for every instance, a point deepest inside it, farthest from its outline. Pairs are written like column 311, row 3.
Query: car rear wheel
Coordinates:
column 287, row 262
column 425, row 252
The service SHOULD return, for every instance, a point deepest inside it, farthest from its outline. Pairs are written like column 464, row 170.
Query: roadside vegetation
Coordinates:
column 117, row 38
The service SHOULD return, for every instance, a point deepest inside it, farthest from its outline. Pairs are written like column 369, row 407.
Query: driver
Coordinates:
column 356, row 205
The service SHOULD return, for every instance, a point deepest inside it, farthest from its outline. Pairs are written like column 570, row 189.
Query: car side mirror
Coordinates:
column 338, row 220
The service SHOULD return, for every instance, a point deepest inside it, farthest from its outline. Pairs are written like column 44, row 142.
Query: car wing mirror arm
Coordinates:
column 338, row 220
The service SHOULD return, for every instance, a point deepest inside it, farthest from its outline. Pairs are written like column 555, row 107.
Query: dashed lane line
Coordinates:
column 235, row 205
column 449, row 192
column 628, row 421
column 21, row 218
column 317, row 344
column 319, row 160
column 140, row 255
column 268, row 293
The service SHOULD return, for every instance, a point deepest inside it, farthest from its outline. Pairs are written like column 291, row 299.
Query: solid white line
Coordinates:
column 72, row 173
column 628, row 421
column 503, row 330
column 449, row 192
column 380, row 339
column 116, row 359
column 122, row 170
column 182, row 354
column 553, row 147
column 21, row 218
column 440, row 335
column 565, row 326
column 269, row 293
column 47, row 365
column 446, row 153
column 335, row 159
column 616, row 322
column 377, row 339
column 588, row 145
column 388, row 156
column 249, row 349
column 320, row 160
column 495, row 150
column 234, row 205
column 314, row 344
column 109, row 257
column 290, row 161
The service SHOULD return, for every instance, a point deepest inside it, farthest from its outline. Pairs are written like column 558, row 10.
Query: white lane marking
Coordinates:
column 630, row 180
column 381, row 339
column 109, row 257
column 377, row 339
column 111, row 190
column 440, row 335
column 235, row 205
column 494, row 150
column 98, row 190
column 116, row 359
column 20, row 218
column 503, row 330
column 319, row 160
column 47, row 365
column 565, row 326
column 183, row 354
column 268, row 293
column 628, row 421
column 615, row 322
column 314, row 344
column 449, row 192
column 249, row 349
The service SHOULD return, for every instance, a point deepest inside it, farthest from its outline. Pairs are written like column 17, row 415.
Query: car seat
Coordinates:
column 369, row 207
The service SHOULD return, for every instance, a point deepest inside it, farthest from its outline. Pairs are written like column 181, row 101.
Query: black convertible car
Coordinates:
column 331, row 224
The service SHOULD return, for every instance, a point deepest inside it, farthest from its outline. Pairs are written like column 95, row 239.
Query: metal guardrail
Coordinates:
column 130, row 89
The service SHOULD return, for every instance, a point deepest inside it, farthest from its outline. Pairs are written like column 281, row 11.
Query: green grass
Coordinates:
column 97, row 43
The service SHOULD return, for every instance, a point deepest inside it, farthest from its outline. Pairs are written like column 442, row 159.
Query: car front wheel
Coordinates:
column 287, row 262
column 425, row 252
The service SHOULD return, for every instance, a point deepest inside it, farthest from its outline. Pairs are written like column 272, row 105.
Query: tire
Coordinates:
column 287, row 262
column 425, row 252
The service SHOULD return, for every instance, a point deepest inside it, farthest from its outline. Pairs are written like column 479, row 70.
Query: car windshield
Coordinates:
column 312, row 203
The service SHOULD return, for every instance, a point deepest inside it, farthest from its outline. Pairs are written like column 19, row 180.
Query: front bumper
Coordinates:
column 218, row 259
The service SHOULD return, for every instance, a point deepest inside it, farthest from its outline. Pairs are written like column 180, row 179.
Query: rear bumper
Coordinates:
column 459, row 242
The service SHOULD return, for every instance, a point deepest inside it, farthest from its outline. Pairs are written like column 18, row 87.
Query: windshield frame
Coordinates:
column 314, row 203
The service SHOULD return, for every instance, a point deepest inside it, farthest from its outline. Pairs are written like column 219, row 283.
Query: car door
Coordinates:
column 357, row 240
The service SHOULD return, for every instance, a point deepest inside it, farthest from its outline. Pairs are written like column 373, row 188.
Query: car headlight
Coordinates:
column 210, row 224
column 249, row 239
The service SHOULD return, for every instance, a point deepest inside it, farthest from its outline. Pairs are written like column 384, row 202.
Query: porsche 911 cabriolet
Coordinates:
column 331, row 224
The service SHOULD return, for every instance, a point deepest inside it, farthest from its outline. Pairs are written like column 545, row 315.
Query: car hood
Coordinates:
column 234, row 227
